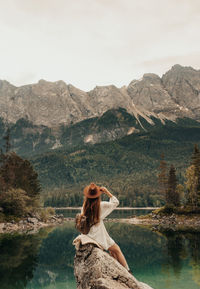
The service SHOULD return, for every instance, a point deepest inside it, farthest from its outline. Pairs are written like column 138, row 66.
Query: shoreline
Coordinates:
column 156, row 222
column 31, row 225
column 166, row 222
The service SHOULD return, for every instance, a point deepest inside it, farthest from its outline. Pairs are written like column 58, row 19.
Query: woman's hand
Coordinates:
column 105, row 191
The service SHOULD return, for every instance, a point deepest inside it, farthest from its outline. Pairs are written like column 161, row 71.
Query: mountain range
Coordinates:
column 109, row 134
column 175, row 94
column 47, row 115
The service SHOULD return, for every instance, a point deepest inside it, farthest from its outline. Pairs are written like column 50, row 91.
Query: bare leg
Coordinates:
column 116, row 252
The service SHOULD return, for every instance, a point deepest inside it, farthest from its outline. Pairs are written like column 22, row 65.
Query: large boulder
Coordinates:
column 94, row 268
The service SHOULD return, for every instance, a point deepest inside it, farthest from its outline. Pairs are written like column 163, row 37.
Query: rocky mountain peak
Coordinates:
column 4, row 84
column 42, row 81
column 107, row 97
column 151, row 77
column 178, row 71
column 149, row 95
column 178, row 68
column 103, row 90
column 50, row 85
column 176, row 94
column 183, row 85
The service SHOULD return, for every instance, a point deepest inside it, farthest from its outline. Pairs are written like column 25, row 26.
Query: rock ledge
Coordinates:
column 96, row 269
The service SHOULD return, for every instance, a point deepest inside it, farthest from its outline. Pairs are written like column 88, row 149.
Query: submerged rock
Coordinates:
column 96, row 269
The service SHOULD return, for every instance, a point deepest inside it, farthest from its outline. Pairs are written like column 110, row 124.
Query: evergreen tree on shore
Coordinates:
column 190, row 183
column 196, row 164
column 193, row 179
column 162, row 177
column 172, row 196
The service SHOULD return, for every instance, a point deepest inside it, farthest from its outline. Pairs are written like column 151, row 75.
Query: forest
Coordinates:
column 135, row 168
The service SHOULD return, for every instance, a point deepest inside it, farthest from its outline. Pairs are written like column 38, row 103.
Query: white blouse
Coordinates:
column 98, row 231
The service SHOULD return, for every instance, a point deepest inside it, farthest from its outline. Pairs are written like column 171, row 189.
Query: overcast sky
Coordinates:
column 96, row 42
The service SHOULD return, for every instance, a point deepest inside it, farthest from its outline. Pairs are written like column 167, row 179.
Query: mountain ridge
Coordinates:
column 176, row 94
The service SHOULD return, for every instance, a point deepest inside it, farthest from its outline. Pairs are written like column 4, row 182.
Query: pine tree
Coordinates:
column 162, row 177
column 196, row 156
column 172, row 196
column 190, row 183
column 196, row 163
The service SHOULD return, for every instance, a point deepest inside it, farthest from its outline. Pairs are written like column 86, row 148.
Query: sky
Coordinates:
column 96, row 42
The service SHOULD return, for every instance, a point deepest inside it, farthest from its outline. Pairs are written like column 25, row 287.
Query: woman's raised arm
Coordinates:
column 108, row 207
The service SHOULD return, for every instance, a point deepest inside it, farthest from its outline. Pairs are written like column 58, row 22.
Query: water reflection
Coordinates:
column 176, row 252
column 55, row 259
column 115, row 214
column 18, row 260
column 45, row 260
column 39, row 260
column 184, row 248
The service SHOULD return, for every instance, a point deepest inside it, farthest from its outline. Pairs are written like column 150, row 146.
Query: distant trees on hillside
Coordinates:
column 128, row 195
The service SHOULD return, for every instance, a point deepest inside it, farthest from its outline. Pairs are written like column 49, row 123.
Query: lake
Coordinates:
column 116, row 214
column 45, row 260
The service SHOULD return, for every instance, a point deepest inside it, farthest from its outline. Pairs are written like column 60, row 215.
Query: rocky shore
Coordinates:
column 157, row 222
column 167, row 222
column 31, row 224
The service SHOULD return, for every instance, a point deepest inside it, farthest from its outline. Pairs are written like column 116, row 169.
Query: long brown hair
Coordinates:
column 91, row 209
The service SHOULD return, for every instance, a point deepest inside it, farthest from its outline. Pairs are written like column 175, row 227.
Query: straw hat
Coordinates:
column 92, row 191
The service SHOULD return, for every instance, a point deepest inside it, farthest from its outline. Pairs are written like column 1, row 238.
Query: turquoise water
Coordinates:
column 45, row 260
column 115, row 214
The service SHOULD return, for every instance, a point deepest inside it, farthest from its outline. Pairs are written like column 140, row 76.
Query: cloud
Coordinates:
column 192, row 59
column 96, row 42
column 161, row 65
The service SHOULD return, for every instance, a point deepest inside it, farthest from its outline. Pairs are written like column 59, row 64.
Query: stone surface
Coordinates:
column 32, row 220
column 48, row 115
column 96, row 269
column 172, row 222
column 31, row 224
column 176, row 94
column 149, row 94
column 183, row 84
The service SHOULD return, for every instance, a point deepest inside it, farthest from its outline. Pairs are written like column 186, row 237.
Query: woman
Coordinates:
column 96, row 210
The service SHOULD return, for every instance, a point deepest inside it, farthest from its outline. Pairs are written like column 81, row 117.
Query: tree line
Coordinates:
column 177, row 195
column 63, row 197
column 20, row 189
